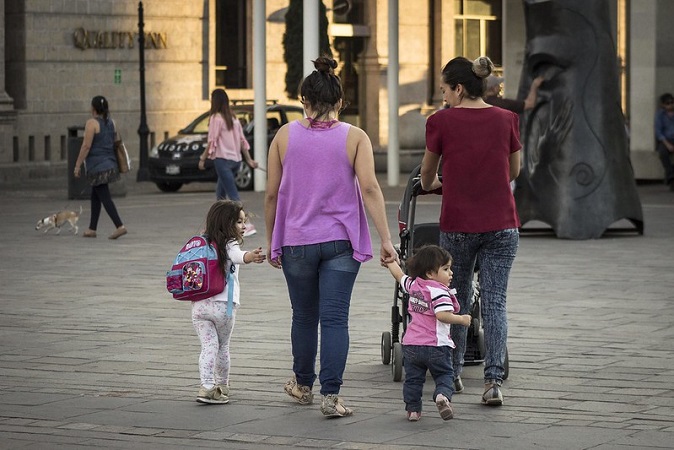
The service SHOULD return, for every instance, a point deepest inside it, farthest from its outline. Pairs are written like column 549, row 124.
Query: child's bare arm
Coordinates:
column 255, row 256
column 453, row 319
column 395, row 270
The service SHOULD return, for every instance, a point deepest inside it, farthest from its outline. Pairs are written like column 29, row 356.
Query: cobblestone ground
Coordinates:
column 95, row 354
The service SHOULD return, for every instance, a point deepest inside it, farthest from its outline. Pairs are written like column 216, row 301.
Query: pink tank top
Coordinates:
column 319, row 198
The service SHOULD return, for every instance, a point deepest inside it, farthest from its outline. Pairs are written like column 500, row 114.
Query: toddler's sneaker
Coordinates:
column 413, row 416
column 444, row 407
column 249, row 230
column 333, row 406
column 492, row 394
column 215, row 395
column 299, row 392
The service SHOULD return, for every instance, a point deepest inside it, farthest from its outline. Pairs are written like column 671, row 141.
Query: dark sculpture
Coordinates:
column 576, row 174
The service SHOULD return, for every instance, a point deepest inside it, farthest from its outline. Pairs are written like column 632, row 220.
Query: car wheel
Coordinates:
column 167, row 186
column 244, row 178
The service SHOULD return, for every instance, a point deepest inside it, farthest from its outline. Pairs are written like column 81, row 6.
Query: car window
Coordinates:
column 201, row 126
column 274, row 121
column 244, row 117
column 294, row 115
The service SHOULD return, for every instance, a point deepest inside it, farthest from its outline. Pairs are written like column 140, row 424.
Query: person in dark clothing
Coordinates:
column 98, row 156
column 492, row 95
column 664, row 135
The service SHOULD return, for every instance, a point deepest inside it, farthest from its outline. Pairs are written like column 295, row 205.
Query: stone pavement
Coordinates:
column 95, row 354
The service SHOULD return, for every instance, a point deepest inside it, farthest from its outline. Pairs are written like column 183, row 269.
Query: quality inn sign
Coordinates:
column 84, row 39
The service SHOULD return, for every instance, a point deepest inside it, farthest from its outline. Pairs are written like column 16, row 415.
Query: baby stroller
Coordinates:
column 412, row 236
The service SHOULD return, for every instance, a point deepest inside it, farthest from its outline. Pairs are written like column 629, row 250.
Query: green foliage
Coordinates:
column 293, row 44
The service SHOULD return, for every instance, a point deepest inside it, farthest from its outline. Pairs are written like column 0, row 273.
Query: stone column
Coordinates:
column 371, row 82
column 643, row 95
column 514, row 41
column 7, row 113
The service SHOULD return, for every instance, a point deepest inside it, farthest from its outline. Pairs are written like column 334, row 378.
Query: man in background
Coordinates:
column 493, row 95
column 664, row 135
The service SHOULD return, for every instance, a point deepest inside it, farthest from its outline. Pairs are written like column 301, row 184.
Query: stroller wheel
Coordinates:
column 481, row 348
column 474, row 325
column 397, row 362
column 386, row 347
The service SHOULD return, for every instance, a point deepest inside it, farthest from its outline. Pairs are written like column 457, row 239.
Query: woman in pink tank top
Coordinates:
column 321, row 179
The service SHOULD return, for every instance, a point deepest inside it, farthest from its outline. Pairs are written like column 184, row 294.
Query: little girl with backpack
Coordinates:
column 213, row 320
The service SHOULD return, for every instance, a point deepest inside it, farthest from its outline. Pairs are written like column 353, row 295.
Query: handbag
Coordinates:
column 123, row 160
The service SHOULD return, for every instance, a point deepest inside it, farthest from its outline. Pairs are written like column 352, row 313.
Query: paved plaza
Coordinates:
column 94, row 353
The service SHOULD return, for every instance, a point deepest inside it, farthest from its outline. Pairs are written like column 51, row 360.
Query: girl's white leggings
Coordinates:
column 214, row 329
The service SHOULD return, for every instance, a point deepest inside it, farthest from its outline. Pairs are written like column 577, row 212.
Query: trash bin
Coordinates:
column 78, row 188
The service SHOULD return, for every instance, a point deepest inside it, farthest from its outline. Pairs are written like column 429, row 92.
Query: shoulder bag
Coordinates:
column 123, row 160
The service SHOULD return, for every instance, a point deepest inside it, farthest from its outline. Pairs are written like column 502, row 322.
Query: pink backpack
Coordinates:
column 195, row 274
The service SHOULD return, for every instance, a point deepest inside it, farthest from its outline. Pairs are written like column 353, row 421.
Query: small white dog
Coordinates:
column 58, row 220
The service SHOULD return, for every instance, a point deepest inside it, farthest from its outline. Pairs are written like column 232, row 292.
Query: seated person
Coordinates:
column 664, row 135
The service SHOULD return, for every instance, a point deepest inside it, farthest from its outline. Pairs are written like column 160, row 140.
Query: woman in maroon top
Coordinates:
column 480, row 150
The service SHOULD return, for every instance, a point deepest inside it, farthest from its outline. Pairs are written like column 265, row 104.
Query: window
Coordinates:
column 232, row 46
column 478, row 29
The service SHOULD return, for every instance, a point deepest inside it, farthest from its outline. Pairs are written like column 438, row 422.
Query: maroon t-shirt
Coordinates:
column 475, row 145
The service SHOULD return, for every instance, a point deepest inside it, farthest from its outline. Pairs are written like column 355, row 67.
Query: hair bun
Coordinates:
column 325, row 64
column 482, row 67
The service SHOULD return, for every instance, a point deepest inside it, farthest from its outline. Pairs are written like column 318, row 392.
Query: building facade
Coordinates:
column 58, row 54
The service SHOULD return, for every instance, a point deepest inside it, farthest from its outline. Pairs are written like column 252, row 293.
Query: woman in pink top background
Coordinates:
column 226, row 145
column 321, row 178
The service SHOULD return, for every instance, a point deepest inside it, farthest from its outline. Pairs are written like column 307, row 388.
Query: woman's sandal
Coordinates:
column 121, row 231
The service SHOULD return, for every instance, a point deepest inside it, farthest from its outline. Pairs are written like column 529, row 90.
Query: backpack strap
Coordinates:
column 229, row 281
column 230, row 291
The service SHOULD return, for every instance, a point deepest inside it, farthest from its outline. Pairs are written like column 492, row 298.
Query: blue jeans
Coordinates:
column 419, row 358
column 320, row 280
column 665, row 159
column 227, row 170
column 494, row 253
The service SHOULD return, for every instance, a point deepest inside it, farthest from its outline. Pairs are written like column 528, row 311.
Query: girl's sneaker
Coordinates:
column 215, row 395
column 492, row 393
column 413, row 416
column 333, row 406
column 444, row 407
column 299, row 392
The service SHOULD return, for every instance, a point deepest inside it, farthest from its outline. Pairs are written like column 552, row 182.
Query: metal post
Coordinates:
column 311, row 41
column 143, row 130
column 393, row 152
column 260, row 92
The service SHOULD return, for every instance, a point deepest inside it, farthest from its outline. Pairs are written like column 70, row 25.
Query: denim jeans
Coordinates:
column 320, row 280
column 417, row 359
column 494, row 253
column 227, row 170
column 665, row 159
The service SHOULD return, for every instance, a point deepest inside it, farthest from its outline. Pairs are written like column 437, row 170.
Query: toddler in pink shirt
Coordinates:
column 432, row 307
